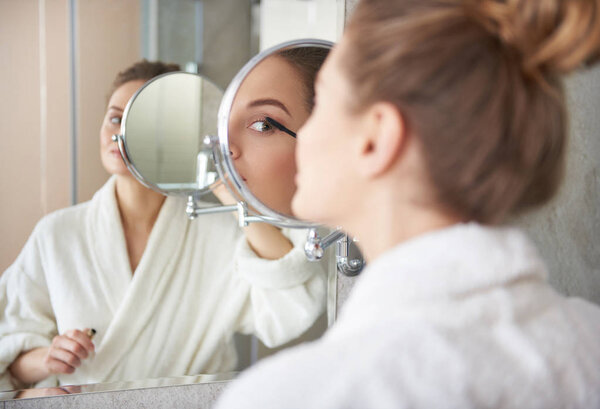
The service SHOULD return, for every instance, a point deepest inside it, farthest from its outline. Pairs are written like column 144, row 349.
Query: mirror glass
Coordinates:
column 163, row 130
column 264, row 107
column 62, row 88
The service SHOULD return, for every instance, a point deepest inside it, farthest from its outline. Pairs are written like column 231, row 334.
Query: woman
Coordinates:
column 163, row 293
column 448, row 117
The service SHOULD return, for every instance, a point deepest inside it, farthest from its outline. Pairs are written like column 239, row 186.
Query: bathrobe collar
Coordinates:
column 446, row 264
column 133, row 298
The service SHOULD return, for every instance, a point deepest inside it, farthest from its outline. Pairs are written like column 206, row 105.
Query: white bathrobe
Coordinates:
column 459, row 318
column 197, row 283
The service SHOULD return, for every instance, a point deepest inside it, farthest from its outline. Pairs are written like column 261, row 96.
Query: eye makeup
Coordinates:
column 279, row 126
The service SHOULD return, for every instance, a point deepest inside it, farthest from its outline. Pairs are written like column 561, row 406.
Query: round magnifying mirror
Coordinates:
column 262, row 110
column 163, row 131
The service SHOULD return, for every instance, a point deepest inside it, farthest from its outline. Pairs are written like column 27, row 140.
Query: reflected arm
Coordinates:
column 29, row 367
column 286, row 295
column 27, row 324
column 267, row 241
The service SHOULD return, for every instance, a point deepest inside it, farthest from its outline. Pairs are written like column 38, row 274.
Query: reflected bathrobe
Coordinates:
column 458, row 318
column 197, row 283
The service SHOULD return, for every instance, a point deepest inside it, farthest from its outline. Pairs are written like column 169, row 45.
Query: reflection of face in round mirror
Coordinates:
column 271, row 104
column 165, row 126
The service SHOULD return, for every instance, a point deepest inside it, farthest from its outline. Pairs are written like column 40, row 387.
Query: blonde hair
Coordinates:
column 479, row 84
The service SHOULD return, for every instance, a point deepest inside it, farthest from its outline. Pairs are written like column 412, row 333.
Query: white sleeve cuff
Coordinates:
column 291, row 270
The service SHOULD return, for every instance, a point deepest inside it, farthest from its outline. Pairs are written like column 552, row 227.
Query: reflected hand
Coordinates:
column 266, row 240
column 223, row 195
column 67, row 351
column 41, row 392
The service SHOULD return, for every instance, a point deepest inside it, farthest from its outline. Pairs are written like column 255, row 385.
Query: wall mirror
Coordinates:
column 213, row 39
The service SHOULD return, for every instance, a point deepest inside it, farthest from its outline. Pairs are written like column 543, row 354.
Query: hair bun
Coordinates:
column 550, row 35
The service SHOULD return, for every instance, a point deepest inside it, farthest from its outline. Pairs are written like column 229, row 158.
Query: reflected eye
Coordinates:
column 261, row 126
column 115, row 120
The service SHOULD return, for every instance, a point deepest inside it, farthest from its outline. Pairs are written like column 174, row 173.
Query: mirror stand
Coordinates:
column 315, row 247
column 193, row 210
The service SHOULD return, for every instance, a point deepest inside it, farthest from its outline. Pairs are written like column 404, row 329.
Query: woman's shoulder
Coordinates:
column 62, row 220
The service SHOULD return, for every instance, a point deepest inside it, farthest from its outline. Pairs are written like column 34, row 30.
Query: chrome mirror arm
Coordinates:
column 244, row 219
column 315, row 247
column 193, row 210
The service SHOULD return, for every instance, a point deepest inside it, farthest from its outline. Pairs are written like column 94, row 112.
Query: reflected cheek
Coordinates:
column 109, row 154
column 108, row 146
column 280, row 171
column 106, row 137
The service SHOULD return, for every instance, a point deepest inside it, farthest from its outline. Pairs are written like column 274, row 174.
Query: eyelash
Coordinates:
column 269, row 127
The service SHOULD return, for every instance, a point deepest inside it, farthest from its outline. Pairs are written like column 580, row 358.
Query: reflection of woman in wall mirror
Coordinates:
column 447, row 117
column 163, row 294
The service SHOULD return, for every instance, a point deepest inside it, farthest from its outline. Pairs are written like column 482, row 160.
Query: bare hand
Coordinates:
column 223, row 195
column 67, row 351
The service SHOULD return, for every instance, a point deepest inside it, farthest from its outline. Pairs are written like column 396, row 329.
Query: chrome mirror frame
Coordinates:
column 225, row 166
column 121, row 140
column 315, row 245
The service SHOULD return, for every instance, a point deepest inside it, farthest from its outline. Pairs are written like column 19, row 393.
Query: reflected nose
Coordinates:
column 234, row 151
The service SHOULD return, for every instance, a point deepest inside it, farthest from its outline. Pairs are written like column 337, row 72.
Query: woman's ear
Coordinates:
column 382, row 141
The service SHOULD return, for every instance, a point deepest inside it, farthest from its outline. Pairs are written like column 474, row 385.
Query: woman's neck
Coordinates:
column 138, row 205
column 386, row 222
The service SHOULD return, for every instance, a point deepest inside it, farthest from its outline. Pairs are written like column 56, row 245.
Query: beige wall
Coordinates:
column 35, row 158
column 33, row 147
column 109, row 40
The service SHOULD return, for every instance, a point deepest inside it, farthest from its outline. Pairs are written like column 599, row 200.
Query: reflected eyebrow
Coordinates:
column 269, row 101
column 115, row 107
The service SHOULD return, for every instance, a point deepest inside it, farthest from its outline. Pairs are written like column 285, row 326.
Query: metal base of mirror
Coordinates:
column 315, row 247
column 348, row 262
column 193, row 210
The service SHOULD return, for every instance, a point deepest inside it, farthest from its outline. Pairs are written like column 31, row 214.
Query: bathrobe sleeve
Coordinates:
column 27, row 320
column 286, row 296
